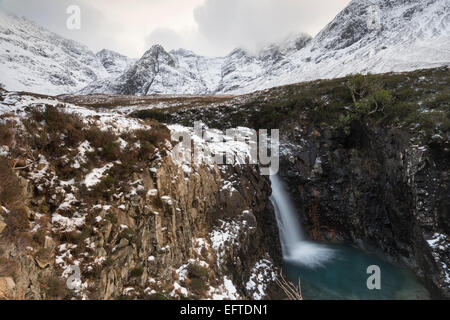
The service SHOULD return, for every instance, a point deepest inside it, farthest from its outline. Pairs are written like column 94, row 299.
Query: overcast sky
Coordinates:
column 208, row 27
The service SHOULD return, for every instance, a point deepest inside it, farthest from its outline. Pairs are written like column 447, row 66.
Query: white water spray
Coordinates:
column 295, row 248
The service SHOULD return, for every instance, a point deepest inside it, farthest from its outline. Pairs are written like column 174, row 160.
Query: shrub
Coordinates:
column 6, row 134
column 198, row 286
column 60, row 122
column 16, row 222
column 361, row 86
column 98, row 138
column 39, row 237
column 10, row 188
column 55, row 288
column 137, row 272
column 152, row 114
column 197, row 271
column 111, row 151
column 159, row 296
column 104, row 189
column 157, row 134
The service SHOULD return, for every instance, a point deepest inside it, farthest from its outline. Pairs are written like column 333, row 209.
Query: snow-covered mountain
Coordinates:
column 367, row 36
column 35, row 59
column 370, row 36
column 184, row 72
column 114, row 62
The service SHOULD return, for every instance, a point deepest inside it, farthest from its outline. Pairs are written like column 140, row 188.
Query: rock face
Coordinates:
column 372, row 186
column 115, row 63
column 184, row 72
column 163, row 241
column 2, row 224
column 379, row 182
column 172, row 235
column 167, row 230
column 7, row 286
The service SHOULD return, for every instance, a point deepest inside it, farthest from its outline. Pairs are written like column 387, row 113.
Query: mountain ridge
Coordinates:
column 375, row 36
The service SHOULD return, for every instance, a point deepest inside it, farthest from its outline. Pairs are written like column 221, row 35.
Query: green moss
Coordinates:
column 197, row 271
column 159, row 296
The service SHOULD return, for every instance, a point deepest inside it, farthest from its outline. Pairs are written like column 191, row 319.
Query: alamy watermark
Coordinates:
column 374, row 281
column 73, row 282
column 73, row 22
column 236, row 146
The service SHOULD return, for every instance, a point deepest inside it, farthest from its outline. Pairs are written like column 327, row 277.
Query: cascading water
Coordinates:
column 334, row 271
column 295, row 248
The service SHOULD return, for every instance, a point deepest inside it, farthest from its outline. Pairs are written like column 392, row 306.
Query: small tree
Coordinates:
column 369, row 97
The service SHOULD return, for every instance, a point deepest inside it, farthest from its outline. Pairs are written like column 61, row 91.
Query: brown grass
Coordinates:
column 17, row 225
column 10, row 188
column 55, row 288
column 6, row 133
column 8, row 268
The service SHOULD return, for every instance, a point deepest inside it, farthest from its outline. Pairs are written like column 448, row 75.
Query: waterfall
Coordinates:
column 295, row 248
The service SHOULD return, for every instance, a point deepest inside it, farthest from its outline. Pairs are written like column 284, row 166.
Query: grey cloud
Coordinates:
column 95, row 32
column 220, row 25
column 168, row 38
column 227, row 24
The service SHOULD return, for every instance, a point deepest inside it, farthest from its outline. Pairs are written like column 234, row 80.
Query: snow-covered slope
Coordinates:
column 370, row 36
column 367, row 36
column 184, row 72
column 115, row 63
column 161, row 72
column 34, row 59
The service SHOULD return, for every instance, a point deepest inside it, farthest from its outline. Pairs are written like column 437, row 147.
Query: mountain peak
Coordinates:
column 114, row 62
column 157, row 55
column 367, row 36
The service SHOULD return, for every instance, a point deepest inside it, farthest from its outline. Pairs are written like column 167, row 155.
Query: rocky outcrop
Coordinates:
column 139, row 247
column 170, row 233
column 375, row 186
column 103, row 208
column 114, row 62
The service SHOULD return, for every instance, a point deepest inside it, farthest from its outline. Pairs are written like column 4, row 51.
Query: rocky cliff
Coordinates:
column 366, row 158
column 372, row 187
column 91, row 213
